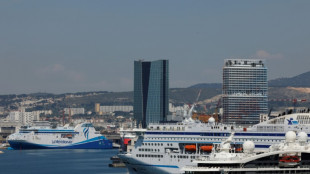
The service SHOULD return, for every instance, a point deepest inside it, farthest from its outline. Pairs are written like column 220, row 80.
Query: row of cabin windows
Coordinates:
column 150, row 156
column 149, row 150
column 261, row 140
column 202, row 139
column 168, row 128
column 152, row 144
column 182, row 156
column 215, row 139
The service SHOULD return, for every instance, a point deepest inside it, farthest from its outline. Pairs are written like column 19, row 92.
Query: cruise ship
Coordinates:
column 83, row 136
column 291, row 156
column 166, row 148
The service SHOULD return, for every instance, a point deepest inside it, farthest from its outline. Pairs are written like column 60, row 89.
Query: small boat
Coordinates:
column 289, row 161
column 240, row 149
column 206, row 148
column 190, row 147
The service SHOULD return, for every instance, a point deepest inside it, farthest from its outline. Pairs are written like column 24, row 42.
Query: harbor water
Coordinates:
column 77, row 161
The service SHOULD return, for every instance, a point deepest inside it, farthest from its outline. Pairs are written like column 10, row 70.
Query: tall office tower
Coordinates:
column 151, row 85
column 245, row 90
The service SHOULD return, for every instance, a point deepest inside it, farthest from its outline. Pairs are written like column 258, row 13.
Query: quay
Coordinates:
column 117, row 162
column 114, row 137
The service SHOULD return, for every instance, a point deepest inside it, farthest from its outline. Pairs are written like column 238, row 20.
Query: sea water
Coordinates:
column 58, row 161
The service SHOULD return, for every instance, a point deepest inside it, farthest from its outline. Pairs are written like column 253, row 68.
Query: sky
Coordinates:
column 61, row 46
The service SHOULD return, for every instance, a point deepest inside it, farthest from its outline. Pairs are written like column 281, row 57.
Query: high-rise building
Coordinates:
column 245, row 90
column 151, row 86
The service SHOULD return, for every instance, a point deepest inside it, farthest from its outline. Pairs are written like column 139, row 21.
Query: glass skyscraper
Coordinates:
column 151, row 85
column 245, row 90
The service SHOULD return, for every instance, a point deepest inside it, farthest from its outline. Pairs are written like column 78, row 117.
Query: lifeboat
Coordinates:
column 190, row 147
column 240, row 149
column 289, row 161
column 206, row 148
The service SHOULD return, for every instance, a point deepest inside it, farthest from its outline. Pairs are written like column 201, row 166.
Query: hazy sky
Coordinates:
column 71, row 45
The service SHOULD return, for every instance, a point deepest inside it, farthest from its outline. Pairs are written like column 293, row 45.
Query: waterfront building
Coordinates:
column 39, row 112
column 1, row 110
column 245, row 90
column 151, row 85
column 74, row 111
column 175, row 109
column 97, row 107
column 24, row 118
column 122, row 108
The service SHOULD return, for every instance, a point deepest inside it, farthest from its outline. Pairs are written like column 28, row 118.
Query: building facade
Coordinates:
column 122, row 108
column 97, row 107
column 74, row 111
column 24, row 118
column 151, row 85
column 245, row 91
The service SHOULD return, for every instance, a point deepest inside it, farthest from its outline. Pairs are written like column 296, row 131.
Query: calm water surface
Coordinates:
column 77, row 161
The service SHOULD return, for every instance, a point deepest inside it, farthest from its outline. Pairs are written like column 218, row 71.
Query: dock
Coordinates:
column 116, row 162
column 114, row 137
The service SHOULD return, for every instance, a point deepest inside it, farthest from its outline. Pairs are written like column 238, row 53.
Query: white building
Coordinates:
column 14, row 116
column 45, row 112
column 175, row 109
column 123, row 108
column 74, row 111
column 25, row 118
column 1, row 110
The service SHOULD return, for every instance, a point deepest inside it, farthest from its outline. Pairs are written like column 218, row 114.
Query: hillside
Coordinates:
column 180, row 96
column 176, row 95
column 189, row 95
column 302, row 80
column 207, row 85
column 297, row 87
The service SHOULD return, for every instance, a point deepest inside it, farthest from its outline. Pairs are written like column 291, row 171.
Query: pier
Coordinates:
column 114, row 137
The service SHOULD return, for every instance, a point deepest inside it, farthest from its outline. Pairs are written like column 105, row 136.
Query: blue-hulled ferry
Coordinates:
column 83, row 136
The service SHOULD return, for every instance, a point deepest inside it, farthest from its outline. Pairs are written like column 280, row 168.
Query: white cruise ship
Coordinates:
column 166, row 148
column 83, row 136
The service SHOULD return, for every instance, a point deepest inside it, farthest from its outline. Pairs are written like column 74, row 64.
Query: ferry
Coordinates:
column 82, row 136
column 166, row 148
column 291, row 156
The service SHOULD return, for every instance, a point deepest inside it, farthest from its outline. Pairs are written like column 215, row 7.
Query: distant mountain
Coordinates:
column 189, row 95
column 207, row 85
column 302, row 80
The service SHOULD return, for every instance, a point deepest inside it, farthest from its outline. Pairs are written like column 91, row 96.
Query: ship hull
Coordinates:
column 95, row 144
column 140, row 167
